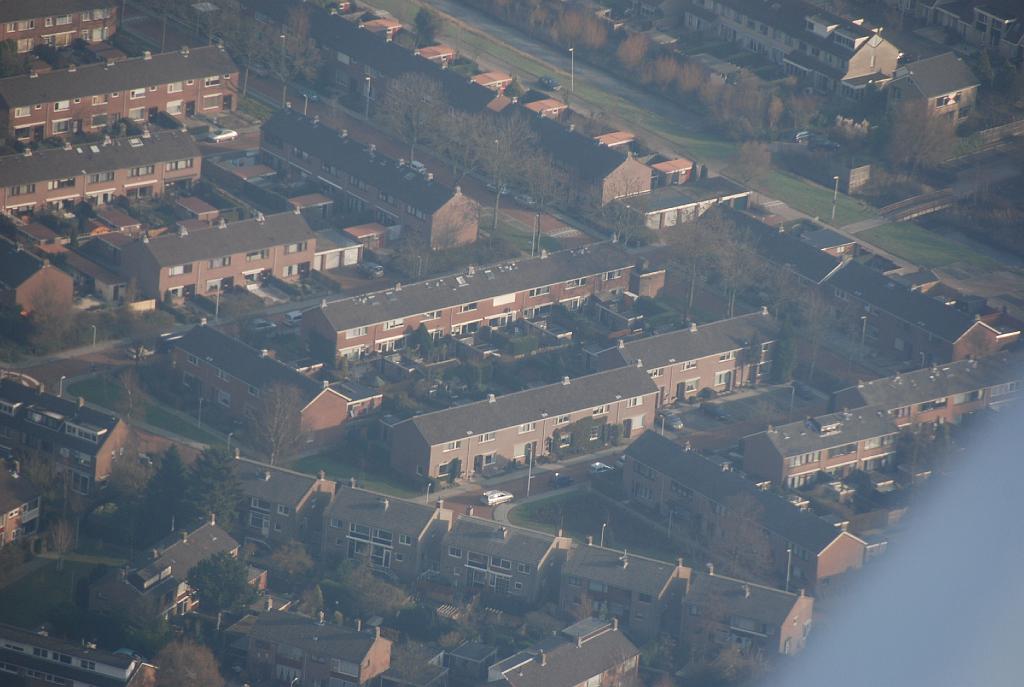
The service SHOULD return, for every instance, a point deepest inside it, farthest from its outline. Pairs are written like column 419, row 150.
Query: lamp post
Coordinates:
column 93, row 335
column 572, row 70
column 529, row 473
column 200, row 416
column 789, row 564
column 230, row 434
column 603, row 525
column 863, row 333
column 835, row 198
column 429, row 484
column 792, row 399
column 497, row 187
column 284, row 72
column 305, row 104
column 60, row 386
column 366, row 115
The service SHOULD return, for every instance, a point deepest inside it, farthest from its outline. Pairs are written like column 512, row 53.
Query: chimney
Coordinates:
column 359, row 624
column 543, row 658
column 430, row 176
column 184, row 536
column 376, row 632
column 679, row 561
column 202, row 321
column 320, row 617
column 344, row 133
column 154, row 553
column 33, row 74
column 469, row 510
column 268, row 604
column 264, row 353
column 764, row 309
column 321, row 475
column 147, row 55
column 398, row 286
column 213, row 518
column 222, row 224
column 711, row 568
column 579, row 641
column 620, row 344
column 385, row 503
column 81, row 401
column 440, row 504
column 565, row 381
column 325, row 383
column 372, row 149
column 503, row 532
column 266, row 475
column 615, row 624
column 624, row 559
column 352, row 482
column 72, row 68
column 693, row 326
column 260, row 218
column 491, row 398
column 746, row 591
column 590, row 540
column 184, row 51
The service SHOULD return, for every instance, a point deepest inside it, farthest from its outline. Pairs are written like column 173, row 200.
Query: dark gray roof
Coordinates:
column 640, row 574
column 11, row 10
column 354, row 158
column 685, row 344
column 801, row 437
column 564, row 663
column 16, row 265
column 377, row 510
column 57, row 163
column 501, row 541
column 486, row 282
column 784, row 249
column 914, row 307
column 681, row 195
column 95, row 79
column 512, row 410
column 283, row 486
column 181, row 555
column 939, row 75
column 927, row 384
column 238, row 237
column 825, row 238
column 60, row 410
column 14, row 491
column 709, row 479
column 243, row 361
column 473, row 651
column 729, row 596
column 332, row 641
column 573, row 149
column 73, row 673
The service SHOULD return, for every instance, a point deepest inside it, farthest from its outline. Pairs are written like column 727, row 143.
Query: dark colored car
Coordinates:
column 559, row 480
column 716, row 411
column 549, row 83
column 371, row 270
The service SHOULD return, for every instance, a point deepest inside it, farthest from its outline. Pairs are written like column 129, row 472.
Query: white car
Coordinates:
column 221, row 135
column 495, row 497
column 598, row 468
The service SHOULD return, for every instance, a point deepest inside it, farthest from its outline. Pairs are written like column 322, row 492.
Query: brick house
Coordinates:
column 363, row 181
column 28, row 282
column 798, row 453
column 205, row 261
column 57, row 179
column 717, row 355
column 397, row 538
column 596, row 172
column 831, row 53
column 943, row 86
column 600, row 407
column 229, row 372
column 37, row 659
column 82, row 441
column 158, row 587
column 591, row 652
column 642, row 593
column 57, row 23
column 19, row 507
column 989, row 25
column 287, row 647
column 939, row 394
column 750, row 616
column 493, row 296
column 88, row 98
column 483, row 556
column 281, row 505
column 661, row 475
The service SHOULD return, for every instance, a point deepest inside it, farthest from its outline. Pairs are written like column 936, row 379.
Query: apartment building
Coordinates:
column 943, row 85
column 721, row 356
column 602, row 407
column 995, row 25
column 83, row 442
column 591, row 652
column 280, row 505
column 397, row 538
column 88, row 98
column 205, row 261
column 661, row 475
column 644, row 594
column 460, row 304
column 57, row 23
column 19, row 507
column 242, row 380
column 290, row 648
column 58, row 179
column 35, row 659
column 485, row 557
column 158, row 587
column 828, row 51
column 28, row 282
column 363, row 181
column 832, row 445
column 751, row 616
column 941, row 393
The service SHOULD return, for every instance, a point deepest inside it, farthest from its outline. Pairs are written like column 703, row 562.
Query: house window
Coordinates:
column 405, row 540
column 137, row 93
column 137, row 114
column 220, row 262
column 468, row 307
column 292, row 248
column 594, row 433
column 98, row 121
column 22, row 111
column 179, row 164
column 179, row 270
column 487, row 436
column 689, row 364
column 634, row 402
column 540, row 291
column 614, row 274
column 61, row 126
column 454, row 552
column 355, row 332
column 142, row 171
column 432, row 315
column 722, row 378
column 656, row 373
column 453, row 445
column 22, row 189
column 55, row 184
column 527, row 427
column 562, row 420
column 575, row 283
column 192, row 360
column 99, row 99
column 283, row 509
column 394, row 324
column 223, row 398
column 211, row 81
column 524, row 568
column 61, row 105
column 211, row 102
column 174, row 87
column 731, row 355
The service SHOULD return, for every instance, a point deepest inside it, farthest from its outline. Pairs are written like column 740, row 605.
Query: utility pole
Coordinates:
column 284, row 73
column 366, row 115
column 835, row 199
column 572, row 70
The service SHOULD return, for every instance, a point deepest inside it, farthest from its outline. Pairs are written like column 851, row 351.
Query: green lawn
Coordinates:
column 922, row 247
column 101, row 390
column 812, row 199
column 30, row 601
column 580, row 513
column 341, row 467
column 519, row 236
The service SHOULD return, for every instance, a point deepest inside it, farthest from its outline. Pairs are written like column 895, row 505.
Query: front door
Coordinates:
column 190, row 108
column 226, row 104
column 153, row 112
column 39, row 132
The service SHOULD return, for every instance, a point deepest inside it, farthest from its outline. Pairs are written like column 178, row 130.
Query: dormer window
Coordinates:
column 8, row 408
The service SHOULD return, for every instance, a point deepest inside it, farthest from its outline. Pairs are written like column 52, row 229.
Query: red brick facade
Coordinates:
column 98, row 23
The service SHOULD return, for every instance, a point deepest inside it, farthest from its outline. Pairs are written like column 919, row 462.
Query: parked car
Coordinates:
column 802, row 136
column 165, row 342
column 221, row 135
column 138, row 350
column 549, row 83
column 599, row 468
column 371, row 270
column 418, row 167
column 823, row 144
column 495, row 497
column 526, row 200
column 673, row 421
column 559, row 480
column 293, row 318
column 804, row 391
column 493, row 188
column 716, row 411
column 262, row 326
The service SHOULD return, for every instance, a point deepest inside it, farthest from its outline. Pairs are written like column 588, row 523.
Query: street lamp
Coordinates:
column 863, row 332
column 497, row 187
column 366, row 115
column 60, row 386
column 792, row 400
column 200, row 416
column 572, row 70
column 789, row 564
column 284, row 73
column 230, row 434
column 835, row 199
column 93, row 335
column 603, row 525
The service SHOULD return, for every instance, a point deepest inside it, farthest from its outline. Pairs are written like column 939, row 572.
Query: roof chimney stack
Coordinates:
column 746, row 591
column 693, row 326
column 352, row 482
column 590, row 540
column 565, row 380
column 491, row 398
column 266, row 475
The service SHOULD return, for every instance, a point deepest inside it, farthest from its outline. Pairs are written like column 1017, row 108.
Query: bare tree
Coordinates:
column 277, row 425
column 755, row 160
column 459, row 137
column 503, row 141
column 62, row 538
column 51, row 320
column 633, row 50
column 187, row 664
column 918, row 139
column 693, row 246
column 739, row 543
column 411, row 107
